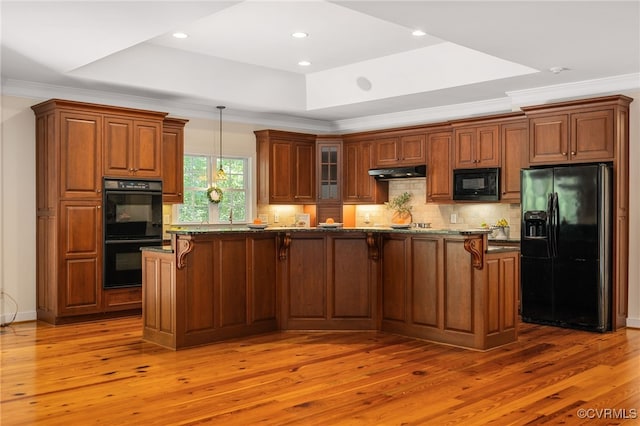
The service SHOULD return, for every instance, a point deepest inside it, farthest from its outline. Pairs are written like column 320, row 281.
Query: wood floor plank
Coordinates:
column 105, row 373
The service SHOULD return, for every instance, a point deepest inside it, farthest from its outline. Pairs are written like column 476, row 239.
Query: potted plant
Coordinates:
column 401, row 208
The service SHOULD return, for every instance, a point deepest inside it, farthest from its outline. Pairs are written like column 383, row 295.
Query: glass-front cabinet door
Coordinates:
column 329, row 184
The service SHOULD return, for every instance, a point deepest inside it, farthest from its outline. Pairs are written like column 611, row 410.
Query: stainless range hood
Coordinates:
column 399, row 172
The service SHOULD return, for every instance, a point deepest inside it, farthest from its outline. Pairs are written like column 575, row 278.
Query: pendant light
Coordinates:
column 220, row 174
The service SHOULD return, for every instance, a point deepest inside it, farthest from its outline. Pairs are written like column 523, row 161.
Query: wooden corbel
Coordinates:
column 374, row 251
column 184, row 245
column 286, row 242
column 474, row 246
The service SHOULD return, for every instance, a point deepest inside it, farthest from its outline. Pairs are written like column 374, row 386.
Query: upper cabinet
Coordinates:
column 132, row 147
column 359, row 187
column 439, row 166
column 329, row 169
column 404, row 150
column 514, row 138
column 173, row 160
column 574, row 132
column 476, row 146
column 80, row 148
column 286, row 167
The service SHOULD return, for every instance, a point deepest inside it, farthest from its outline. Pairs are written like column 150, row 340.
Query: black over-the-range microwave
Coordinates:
column 476, row 184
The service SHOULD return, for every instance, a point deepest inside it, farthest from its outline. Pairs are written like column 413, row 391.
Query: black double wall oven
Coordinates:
column 132, row 220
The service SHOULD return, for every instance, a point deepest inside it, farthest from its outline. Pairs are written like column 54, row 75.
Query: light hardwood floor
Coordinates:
column 103, row 372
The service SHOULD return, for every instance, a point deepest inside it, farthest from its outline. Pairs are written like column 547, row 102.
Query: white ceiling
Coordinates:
column 367, row 69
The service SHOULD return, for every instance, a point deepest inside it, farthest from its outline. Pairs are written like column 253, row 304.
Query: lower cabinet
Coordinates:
column 432, row 290
column 436, row 286
column 328, row 282
column 224, row 288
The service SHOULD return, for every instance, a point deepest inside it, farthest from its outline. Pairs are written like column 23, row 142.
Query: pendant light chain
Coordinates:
column 221, row 175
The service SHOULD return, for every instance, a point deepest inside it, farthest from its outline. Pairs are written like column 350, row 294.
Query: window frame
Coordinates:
column 213, row 215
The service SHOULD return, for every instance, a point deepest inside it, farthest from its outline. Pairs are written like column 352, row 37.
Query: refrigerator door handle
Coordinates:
column 550, row 225
column 556, row 222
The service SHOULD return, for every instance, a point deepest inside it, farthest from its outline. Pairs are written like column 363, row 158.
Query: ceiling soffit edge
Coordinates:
column 512, row 101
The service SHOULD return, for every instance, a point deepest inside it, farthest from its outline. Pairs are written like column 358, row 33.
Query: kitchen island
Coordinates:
column 439, row 285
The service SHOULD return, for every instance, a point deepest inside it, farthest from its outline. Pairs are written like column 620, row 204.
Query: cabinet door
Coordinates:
column 118, row 137
column 172, row 164
column 387, row 152
column 395, row 277
column 80, row 283
column 412, row 148
column 281, row 172
column 439, row 167
column 80, row 155
column 367, row 185
column 548, row 139
column 147, row 149
column 304, row 182
column 464, row 149
column 487, row 146
column 329, row 172
column 351, row 169
column 592, row 136
column 515, row 138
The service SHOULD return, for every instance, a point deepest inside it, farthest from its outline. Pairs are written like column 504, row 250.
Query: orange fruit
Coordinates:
column 330, row 220
column 257, row 221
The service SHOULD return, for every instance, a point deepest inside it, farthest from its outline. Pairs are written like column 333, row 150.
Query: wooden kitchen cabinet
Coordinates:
column 406, row 150
column 132, row 147
column 514, row 153
column 80, row 154
column 503, row 295
column 439, row 167
column 80, row 286
column 286, row 167
column 477, row 146
column 210, row 287
column 71, row 139
column 173, row 160
column 329, row 178
column 328, row 282
column 585, row 134
column 432, row 289
column 359, row 187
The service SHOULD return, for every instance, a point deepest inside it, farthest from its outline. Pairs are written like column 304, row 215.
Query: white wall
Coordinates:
column 17, row 196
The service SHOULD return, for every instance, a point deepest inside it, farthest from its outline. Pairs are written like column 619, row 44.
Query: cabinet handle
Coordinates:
column 180, row 194
column 99, row 207
column 573, row 153
column 564, row 153
column 98, row 190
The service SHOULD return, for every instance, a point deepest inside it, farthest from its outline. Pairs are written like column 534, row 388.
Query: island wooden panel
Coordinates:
column 437, row 286
column 328, row 282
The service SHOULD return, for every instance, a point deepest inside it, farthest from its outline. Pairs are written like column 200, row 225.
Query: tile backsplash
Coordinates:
column 466, row 215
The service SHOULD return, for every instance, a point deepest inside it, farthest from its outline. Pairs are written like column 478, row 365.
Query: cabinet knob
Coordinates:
column 573, row 153
column 98, row 190
column 564, row 153
column 180, row 194
column 99, row 207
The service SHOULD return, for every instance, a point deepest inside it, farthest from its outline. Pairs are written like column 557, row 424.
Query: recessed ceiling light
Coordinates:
column 180, row 35
column 299, row 34
column 418, row 33
column 304, row 63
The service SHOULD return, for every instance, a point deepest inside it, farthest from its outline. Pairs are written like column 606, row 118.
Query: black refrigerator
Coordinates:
column 566, row 246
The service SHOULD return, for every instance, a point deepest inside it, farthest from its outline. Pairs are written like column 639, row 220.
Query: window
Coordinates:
column 198, row 176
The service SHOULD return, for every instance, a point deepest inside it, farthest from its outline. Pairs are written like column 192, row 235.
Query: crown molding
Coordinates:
column 511, row 102
column 600, row 86
column 423, row 115
column 43, row 92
